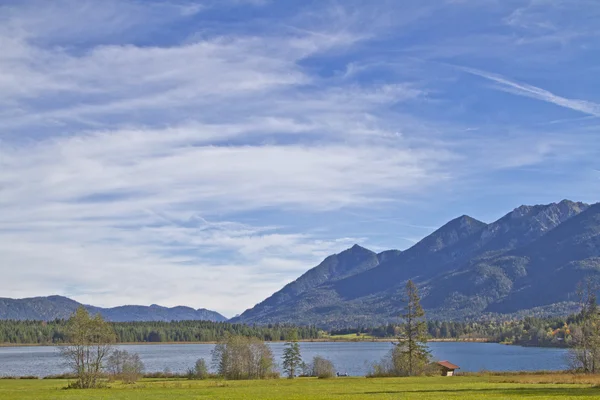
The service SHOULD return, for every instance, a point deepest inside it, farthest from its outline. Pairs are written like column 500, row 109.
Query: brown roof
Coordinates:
column 447, row 364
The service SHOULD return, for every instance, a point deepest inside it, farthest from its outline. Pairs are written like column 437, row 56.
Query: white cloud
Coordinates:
column 526, row 90
column 109, row 213
column 126, row 169
column 128, row 266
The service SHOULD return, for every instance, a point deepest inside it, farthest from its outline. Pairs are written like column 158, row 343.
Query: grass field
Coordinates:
column 353, row 337
column 471, row 387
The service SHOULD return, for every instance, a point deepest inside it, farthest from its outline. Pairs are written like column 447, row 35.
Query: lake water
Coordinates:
column 354, row 358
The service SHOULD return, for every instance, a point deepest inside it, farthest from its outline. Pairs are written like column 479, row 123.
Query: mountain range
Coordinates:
column 58, row 307
column 528, row 262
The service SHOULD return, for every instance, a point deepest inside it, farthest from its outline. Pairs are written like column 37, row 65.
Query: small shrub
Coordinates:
column 190, row 373
column 322, row 368
column 20, row 377
column 272, row 375
column 384, row 368
column 306, row 369
column 200, row 369
column 62, row 376
column 125, row 366
column 77, row 385
column 165, row 375
column 396, row 364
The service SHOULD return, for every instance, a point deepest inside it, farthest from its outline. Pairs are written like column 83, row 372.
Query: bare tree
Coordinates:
column 239, row 357
column 125, row 366
column 90, row 341
column 584, row 356
column 322, row 368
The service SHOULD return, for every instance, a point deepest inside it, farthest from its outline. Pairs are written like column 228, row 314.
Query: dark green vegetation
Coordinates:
column 529, row 331
column 58, row 307
column 292, row 358
column 411, row 355
column 527, row 263
column 53, row 332
column 562, row 386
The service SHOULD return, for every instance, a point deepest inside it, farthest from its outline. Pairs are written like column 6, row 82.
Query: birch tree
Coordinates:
column 90, row 341
column 584, row 356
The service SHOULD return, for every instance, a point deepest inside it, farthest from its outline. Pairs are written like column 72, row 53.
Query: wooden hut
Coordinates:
column 447, row 368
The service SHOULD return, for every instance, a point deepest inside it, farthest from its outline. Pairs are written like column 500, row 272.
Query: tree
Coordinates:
column 585, row 353
column 89, row 343
column 200, row 370
column 239, row 357
column 125, row 366
column 292, row 358
column 322, row 368
column 411, row 355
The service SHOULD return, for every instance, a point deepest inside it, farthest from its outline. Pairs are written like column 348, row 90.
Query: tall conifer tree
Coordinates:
column 413, row 340
column 292, row 360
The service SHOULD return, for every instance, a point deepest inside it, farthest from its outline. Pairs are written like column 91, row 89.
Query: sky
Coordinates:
column 205, row 153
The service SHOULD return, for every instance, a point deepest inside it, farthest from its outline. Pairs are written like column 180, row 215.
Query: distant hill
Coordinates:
column 529, row 261
column 58, row 307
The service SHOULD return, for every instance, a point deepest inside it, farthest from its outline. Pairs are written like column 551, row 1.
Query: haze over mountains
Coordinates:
column 58, row 307
column 529, row 261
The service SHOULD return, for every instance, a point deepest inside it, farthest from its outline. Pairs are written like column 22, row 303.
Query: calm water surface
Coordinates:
column 352, row 358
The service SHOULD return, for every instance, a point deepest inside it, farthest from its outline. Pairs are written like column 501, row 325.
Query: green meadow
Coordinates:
column 555, row 386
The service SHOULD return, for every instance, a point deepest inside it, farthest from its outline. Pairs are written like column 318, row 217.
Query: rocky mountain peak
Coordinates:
column 543, row 217
column 388, row 255
column 527, row 223
column 358, row 248
column 450, row 233
column 531, row 258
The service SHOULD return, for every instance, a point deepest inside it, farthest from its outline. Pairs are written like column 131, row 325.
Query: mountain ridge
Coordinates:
column 529, row 259
column 465, row 269
column 47, row 308
column 332, row 268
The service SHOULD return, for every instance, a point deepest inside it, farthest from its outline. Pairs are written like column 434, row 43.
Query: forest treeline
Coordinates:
column 54, row 332
column 530, row 331
column 554, row 332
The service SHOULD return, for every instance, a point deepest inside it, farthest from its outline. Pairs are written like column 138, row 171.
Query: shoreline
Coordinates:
column 319, row 340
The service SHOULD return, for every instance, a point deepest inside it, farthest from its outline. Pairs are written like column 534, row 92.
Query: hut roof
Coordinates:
column 447, row 364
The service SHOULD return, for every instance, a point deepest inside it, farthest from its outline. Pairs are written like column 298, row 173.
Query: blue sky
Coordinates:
column 206, row 153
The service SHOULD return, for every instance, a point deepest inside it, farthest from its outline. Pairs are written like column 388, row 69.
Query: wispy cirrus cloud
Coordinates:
column 146, row 138
column 526, row 90
column 188, row 153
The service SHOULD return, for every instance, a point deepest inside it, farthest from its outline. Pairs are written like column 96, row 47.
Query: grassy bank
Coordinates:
column 546, row 386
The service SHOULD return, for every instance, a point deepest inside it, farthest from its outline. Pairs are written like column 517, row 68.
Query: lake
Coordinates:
column 354, row 358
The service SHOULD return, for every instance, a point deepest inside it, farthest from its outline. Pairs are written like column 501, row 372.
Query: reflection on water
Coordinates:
column 352, row 358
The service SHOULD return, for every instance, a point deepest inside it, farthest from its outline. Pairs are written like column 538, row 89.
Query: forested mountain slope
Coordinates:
column 58, row 307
